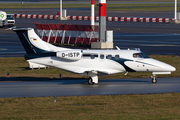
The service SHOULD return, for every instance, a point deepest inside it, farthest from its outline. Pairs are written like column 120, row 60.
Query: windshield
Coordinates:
column 10, row 17
column 140, row 55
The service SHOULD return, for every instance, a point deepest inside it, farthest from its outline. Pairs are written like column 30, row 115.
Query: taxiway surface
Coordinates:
column 33, row 87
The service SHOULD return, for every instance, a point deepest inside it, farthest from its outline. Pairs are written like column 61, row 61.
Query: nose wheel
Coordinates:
column 154, row 80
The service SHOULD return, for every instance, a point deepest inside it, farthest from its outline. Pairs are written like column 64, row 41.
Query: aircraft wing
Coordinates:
column 97, row 72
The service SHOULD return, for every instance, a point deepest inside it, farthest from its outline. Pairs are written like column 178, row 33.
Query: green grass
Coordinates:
column 110, row 7
column 19, row 67
column 114, row 107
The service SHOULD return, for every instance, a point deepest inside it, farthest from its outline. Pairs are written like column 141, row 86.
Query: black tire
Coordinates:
column 154, row 80
column 90, row 81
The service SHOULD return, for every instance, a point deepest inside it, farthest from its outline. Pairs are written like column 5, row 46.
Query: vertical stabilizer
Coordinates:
column 31, row 41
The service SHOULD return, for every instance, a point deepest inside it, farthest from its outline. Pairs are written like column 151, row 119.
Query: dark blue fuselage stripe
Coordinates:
column 121, row 61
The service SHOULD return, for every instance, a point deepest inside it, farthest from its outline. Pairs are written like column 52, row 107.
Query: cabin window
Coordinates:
column 101, row 56
column 109, row 56
column 92, row 56
column 116, row 56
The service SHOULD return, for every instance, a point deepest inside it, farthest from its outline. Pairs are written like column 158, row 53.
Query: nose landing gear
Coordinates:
column 154, row 80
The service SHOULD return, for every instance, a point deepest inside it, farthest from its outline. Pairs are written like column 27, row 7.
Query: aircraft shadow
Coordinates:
column 68, row 80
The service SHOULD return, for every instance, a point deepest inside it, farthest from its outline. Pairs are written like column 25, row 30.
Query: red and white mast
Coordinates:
column 102, row 20
column 92, row 12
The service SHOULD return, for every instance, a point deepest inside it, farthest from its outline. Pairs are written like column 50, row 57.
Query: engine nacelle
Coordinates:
column 70, row 54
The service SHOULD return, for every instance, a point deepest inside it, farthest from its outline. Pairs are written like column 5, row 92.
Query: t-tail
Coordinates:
column 33, row 44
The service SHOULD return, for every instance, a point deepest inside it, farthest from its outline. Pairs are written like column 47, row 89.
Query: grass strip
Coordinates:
column 19, row 67
column 109, row 107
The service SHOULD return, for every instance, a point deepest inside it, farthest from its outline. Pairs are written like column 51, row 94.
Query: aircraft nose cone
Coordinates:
column 172, row 68
column 164, row 67
column 169, row 68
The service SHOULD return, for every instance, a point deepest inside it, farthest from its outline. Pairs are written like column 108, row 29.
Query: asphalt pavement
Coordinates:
column 41, row 87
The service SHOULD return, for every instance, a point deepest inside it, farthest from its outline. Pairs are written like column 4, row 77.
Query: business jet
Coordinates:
column 89, row 62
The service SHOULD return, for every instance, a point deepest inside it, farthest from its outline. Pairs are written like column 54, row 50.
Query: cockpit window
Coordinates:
column 140, row 55
column 137, row 55
column 144, row 55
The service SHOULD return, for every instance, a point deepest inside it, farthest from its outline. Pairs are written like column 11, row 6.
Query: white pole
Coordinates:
column 175, row 10
column 92, row 12
column 60, row 12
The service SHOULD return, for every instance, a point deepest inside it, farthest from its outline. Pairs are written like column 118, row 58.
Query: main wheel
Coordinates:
column 90, row 81
column 154, row 80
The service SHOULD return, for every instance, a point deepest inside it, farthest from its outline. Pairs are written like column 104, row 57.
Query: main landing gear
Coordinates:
column 93, row 77
column 93, row 80
column 154, row 80
column 90, row 81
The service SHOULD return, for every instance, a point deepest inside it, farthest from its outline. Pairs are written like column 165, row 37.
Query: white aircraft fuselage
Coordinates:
column 92, row 63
